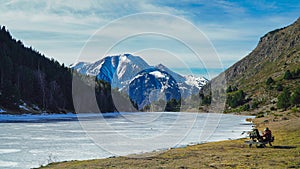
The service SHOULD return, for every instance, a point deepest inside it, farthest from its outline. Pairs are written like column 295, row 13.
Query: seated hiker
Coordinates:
column 267, row 135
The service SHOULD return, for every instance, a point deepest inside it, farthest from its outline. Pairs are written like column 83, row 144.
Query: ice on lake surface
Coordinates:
column 33, row 140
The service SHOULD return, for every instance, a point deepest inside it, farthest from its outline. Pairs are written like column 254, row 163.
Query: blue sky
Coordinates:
column 60, row 28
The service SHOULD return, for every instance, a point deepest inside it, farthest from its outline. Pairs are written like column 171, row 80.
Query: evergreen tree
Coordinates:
column 288, row 75
column 229, row 89
column 270, row 81
column 206, row 99
column 236, row 98
column 284, row 99
column 104, row 98
column 295, row 98
column 173, row 105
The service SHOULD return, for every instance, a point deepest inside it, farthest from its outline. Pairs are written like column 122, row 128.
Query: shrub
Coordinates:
column 279, row 87
column 270, row 81
column 294, row 110
column 259, row 116
column 255, row 104
column 206, row 100
column 295, row 97
column 231, row 89
column 246, row 107
column 292, row 74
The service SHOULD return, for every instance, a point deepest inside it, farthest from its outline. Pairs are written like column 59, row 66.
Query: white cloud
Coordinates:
column 60, row 28
column 33, row 21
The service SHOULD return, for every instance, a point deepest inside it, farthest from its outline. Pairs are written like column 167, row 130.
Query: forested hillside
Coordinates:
column 30, row 80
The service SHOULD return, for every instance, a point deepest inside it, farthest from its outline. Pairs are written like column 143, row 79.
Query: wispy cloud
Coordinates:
column 60, row 28
column 66, row 21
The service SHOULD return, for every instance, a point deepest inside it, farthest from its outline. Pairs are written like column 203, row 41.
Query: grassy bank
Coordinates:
column 285, row 152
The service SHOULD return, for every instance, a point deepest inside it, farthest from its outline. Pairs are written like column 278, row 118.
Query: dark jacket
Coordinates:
column 267, row 134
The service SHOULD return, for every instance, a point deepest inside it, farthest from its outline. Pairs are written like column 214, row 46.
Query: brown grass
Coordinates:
column 285, row 152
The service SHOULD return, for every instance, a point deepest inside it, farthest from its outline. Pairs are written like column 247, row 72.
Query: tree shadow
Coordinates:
column 284, row 147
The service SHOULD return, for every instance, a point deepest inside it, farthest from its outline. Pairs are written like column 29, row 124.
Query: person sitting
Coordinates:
column 267, row 135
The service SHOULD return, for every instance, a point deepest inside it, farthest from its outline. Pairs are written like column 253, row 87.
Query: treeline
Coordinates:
column 104, row 98
column 172, row 105
column 235, row 97
column 26, row 76
column 91, row 95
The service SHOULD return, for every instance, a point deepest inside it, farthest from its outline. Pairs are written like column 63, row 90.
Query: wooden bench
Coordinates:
column 257, row 140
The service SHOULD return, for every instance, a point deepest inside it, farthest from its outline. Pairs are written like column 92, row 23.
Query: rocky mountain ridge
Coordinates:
column 260, row 76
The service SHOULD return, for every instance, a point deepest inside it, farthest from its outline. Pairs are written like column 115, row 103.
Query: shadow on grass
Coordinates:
column 284, row 147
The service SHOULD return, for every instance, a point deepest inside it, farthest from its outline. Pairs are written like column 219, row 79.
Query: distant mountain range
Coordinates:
column 134, row 76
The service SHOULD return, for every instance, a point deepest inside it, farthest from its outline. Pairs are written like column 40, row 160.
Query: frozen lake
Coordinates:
column 31, row 141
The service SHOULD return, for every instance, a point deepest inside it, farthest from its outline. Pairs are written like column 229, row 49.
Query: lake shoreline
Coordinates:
column 221, row 154
column 42, row 138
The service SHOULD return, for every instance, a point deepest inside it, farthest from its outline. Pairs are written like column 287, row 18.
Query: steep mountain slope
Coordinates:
column 278, row 50
column 276, row 53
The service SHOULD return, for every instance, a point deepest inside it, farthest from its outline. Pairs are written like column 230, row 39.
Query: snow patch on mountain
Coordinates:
column 2, row 111
column 157, row 74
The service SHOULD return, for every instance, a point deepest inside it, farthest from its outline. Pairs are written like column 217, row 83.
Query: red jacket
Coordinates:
column 267, row 134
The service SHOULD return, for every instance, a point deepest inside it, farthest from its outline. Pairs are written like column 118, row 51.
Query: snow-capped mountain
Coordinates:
column 117, row 70
column 151, row 85
column 121, row 70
